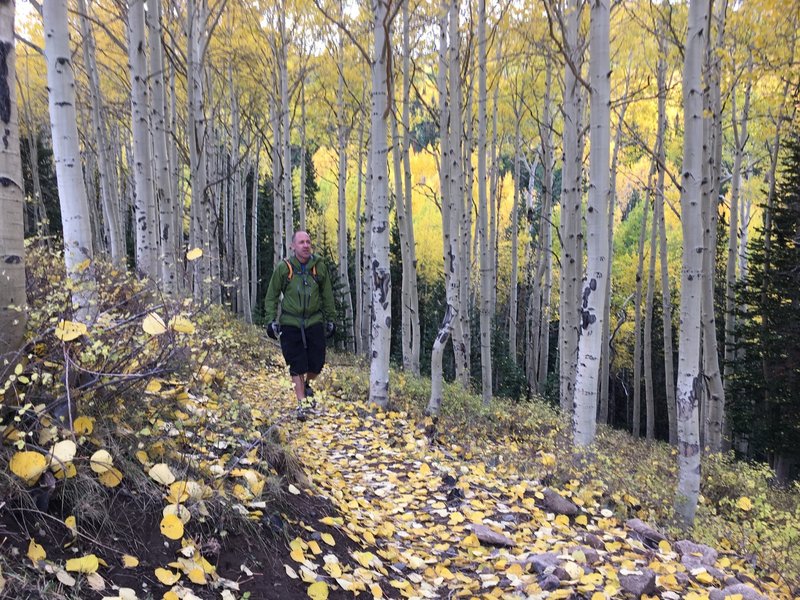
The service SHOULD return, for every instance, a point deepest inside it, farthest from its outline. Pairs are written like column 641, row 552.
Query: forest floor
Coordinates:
column 220, row 492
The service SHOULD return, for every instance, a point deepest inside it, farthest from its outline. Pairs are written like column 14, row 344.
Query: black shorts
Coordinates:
column 308, row 358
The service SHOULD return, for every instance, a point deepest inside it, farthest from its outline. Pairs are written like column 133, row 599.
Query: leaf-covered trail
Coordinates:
column 436, row 522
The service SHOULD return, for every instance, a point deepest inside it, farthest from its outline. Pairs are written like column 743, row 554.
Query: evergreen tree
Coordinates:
column 765, row 407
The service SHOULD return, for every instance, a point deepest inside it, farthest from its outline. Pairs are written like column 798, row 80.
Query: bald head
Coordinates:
column 301, row 245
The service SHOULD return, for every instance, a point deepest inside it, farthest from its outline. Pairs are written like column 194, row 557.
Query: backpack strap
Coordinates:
column 291, row 269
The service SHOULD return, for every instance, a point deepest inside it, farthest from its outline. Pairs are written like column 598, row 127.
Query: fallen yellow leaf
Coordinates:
column 83, row 564
column 318, row 591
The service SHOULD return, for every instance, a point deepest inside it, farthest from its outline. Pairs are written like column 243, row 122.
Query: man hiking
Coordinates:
column 306, row 316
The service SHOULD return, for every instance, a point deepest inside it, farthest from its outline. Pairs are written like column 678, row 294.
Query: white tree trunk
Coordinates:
column 239, row 210
column 277, row 187
column 254, row 229
column 381, row 274
column 513, row 291
column 343, row 134
column 358, row 327
column 666, row 298
column 449, row 222
column 571, row 215
column 483, row 216
column 145, row 204
column 690, row 382
column 164, row 199
column 288, row 200
column 412, row 254
column 13, row 310
column 648, row 333
column 108, row 192
column 637, row 318
column 302, row 194
column 66, row 154
column 594, row 297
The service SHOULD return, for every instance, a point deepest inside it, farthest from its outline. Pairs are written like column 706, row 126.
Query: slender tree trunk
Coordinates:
column 358, row 327
column 412, row 256
column 288, row 200
column 593, row 311
column 450, row 199
column 343, row 134
column 163, row 190
column 145, row 208
column 571, row 216
column 366, row 259
column 483, row 210
column 740, row 142
column 277, row 187
column 66, row 153
column 692, row 270
column 637, row 319
column 666, row 298
column 381, row 273
column 110, row 202
column 239, row 206
column 302, row 195
column 648, row 332
column 456, row 190
column 199, row 234
column 13, row 309
column 513, row 291
column 254, row 229
column 494, row 180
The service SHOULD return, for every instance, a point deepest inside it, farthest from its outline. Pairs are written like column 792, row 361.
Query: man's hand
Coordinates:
column 330, row 329
column 274, row 330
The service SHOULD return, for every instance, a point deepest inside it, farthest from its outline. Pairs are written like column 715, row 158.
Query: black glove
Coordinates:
column 330, row 329
column 274, row 330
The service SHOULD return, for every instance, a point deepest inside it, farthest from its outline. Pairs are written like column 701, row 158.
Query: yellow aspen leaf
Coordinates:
column 36, row 552
column 376, row 590
column 170, row 595
column 562, row 520
column 456, row 518
column 328, row 539
column 83, row 564
column 664, row 547
column 28, row 465
column 598, row 596
column 318, row 591
column 111, row 478
column 581, row 520
column 369, row 538
column 83, row 425
column 72, row 524
column 153, row 386
column 161, row 473
column 334, row 569
column 331, row 521
column 591, row 579
column 194, row 254
column 314, row 546
column 66, row 331
column 63, row 451
column 424, row 470
column 172, row 527
column 471, row 541
column 181, row 324
column 515, row 569
column 744, row 503
column 101, row 461
column 154, row 324
column 166, row 576
column 179, row 510
column 129, row 562
column 70, row 471
column 703, row 576
column 178, row 492
column 574, row 570
column 197, row 576
column 297, row 555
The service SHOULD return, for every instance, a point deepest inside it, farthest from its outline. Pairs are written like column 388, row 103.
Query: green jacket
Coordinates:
column 307, row 299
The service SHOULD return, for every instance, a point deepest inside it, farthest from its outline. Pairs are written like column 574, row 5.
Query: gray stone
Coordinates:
column 746, row 591
column 489, row 536
column 592, row 556
column 550, row 583
column 707, row 554
column 541, row 562
column 556, row 503
column 593, row 541
column 638, row 584
column 692, row 562
column 645, row 533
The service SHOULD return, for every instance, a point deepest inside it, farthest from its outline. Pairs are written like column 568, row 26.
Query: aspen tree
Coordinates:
column 513, row 291
column 637, row 318
column 690, row 382
column 571, row 212
column 108, row 192
column 666, row 299
column 483, row 209
column 413, row 296
column 277, row 186
column 379, row 225
column 302, row 194
column 78, row 254
column 145, row 208
column 342, row 249
column 594, row 291
column 358, row 327
column 286, row 146
column 13, row 310
column 449, row 221
column 648, row 332
column 164, row 199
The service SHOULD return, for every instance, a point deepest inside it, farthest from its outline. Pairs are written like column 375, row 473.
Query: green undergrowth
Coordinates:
column 741, row 508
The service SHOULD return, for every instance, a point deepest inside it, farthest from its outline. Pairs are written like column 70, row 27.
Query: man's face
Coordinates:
column 302, row 246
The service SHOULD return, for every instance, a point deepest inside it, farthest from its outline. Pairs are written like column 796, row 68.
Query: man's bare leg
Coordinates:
column 299, row 387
